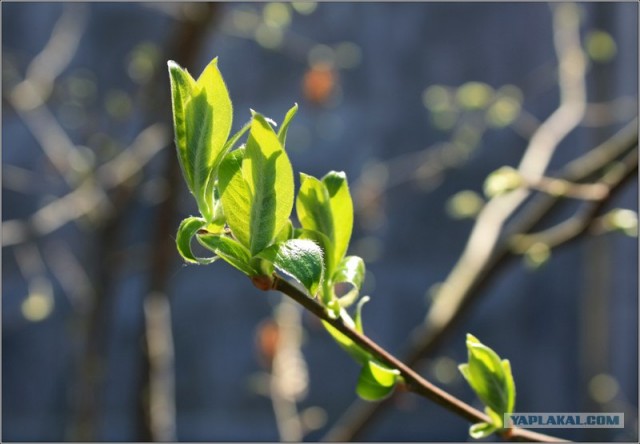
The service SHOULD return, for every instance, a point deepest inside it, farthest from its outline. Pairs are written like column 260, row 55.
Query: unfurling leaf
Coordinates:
column 298, row 258
column 182, row 87
column 481, row 430
column 284, row 128
column 235, row 196
column 358, row 319
column 268, row 175
column 376, row 381
column 491, row 379
column 352, row 271
column 202, row 116
column 230, row 250
column 188, row 228
column 341, row 211
column 325, row 206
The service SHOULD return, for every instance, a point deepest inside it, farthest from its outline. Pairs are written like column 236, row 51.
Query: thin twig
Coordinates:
column 29, row 97
column 412, row 379
column 577, row 224
column 91, row 193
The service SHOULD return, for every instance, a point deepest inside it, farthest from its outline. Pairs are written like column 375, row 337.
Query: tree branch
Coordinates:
column 414, row 382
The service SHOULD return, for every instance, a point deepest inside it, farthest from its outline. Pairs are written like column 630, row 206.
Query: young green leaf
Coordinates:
column 325, row 206
column 284, row 128
column 490, row 378
column 481, row 430
column 230, row 250
column 217, row 95
column 510, row 385
column 300, row 259
column 376, row 381
column 269, row 177
column 320, row 239
column 314, row 213
column 187, row 229
column 358, row 319
column 235, row 196
column 202, row 120
column 351, row 270
column 182, row 87
column 231, row 143
column 341, row 211
column 286, row 233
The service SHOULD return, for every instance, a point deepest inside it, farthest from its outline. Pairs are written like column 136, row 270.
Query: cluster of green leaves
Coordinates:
column 491, row 379
column 245, row 196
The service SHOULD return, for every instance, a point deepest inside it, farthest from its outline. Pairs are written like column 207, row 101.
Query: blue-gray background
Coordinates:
column 374, row 113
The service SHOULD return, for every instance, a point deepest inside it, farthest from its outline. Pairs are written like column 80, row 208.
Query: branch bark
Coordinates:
column 414, row 382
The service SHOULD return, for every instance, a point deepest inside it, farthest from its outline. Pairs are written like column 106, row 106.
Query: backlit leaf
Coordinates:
column 202, row 114
column 187, row 229
column 341, row 211
column 298, row 258
column 486, row 374
column 269, row 177
column 235, row 196
column 182, row 87
column 481, row 430
column 230, row 250
column 284, row 128
column 376, row 381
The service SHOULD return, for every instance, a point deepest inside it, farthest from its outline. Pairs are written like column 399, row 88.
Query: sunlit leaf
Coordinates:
column 286, row 233
column 235, row 196
column 202, row 121
column 269, row 177
column 187, row 229
column 511, row 386
column 351, row 270
column 212, row 83
column 314, row 213
column 341, row 211
column 298, row 258
column 320, row 239
column 233, row 140
column 230, row 250
column 481, row 430
column 376, row 381
column 182, row 87
column 485, row 373
column 284, row 128
column 358, row 319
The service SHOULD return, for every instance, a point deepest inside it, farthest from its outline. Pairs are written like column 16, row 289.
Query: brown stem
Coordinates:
column 413, row 380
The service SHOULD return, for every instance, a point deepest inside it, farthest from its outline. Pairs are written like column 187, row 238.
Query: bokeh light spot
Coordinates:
column 37, row 306
column 600, row 46
column 603, row 388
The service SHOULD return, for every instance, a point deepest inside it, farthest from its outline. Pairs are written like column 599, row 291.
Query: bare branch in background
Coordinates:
column 156, row 413
column 71, row 274
column 289, row 377
column 89, row 195
column 29, row 97
column 161, row 360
